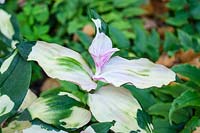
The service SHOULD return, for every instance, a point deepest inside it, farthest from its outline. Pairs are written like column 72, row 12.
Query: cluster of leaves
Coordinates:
column 173, row 108
column 56, row 107
column 69, row 18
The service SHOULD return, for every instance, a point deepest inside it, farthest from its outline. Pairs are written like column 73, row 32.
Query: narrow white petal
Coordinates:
column 140, row 72
column 6, row 27
column 6, row 105
column 111, row 103
column 62, row 63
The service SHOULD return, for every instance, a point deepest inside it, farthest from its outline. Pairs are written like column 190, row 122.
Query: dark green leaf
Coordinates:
column 15, row 81
column 187, row 99
column 188, row 71
column 118, row 38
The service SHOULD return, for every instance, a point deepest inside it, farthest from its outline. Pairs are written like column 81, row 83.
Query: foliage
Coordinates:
column 171, row 108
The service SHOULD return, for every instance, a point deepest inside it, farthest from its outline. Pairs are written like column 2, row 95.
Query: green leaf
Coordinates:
column 144, row 121
column 180, row 18
column 41, row 13
column 94, row 15
column 85, row 39
column 103, row 127
column 185, row 40
column 188, row 71
column 195, row 11
column 187, row 99
column 146, row 44
column 15, row 81
column 160, row 109
column 119, row 38
column 171, row 43
column 59, row 110
column 142, row 96
column 173, row 90
column 25, row 48
column 40, row 30
column 176, row 4
column 133, row 11
column 191, row 125
column 124, row 3
column 163, row 126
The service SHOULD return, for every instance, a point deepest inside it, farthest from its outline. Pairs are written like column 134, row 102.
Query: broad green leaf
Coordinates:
column 191, row 125
column 60, row 111
column 103, row 127
column 177, row 4
column 142, row 96
column 124, row 3
column 85, row 39
column 187, row 99
column 153, row 45
column 160, row 109
column 171, row 43
column 118, row 38
column 41, row 13
column 188, row 71
column 185, row 40
column 144, row 121
column 25, row 48
column 14, row 82
column 180, row 18
column 173, row 90
column 195, row 11
column 163, row 126
column 133, row 11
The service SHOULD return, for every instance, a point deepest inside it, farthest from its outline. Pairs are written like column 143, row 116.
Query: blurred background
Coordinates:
column 166, row 32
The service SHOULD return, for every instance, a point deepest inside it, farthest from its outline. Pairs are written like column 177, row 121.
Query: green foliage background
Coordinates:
column 173, row 108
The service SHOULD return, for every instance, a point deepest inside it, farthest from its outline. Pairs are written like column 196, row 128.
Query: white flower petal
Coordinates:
column 62, row 63
column 101, row 48
column 140, row 72
column 6, row 105
column 6, row 27
column 111, row 103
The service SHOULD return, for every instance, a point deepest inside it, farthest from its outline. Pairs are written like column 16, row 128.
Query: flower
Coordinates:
column 65, row 64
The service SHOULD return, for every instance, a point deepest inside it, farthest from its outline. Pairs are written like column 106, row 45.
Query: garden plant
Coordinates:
column 107, row 77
